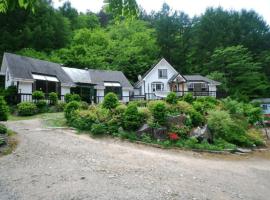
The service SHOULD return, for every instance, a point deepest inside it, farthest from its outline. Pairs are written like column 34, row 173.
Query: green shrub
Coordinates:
column 183, row 107
column 171, row 98
column 53, row 97
column 253, row 114
column 3, row 129
column 99, row 129
column 145, row 113
column 158, row 110
column 196, row 118
column 102, row 114
column 110, row 101
column 222, row 126
column 68, row 98
column 76, row 97
column 70, row 108
column 27, row 109
column 10, row 95
column 42, row 106
column 83, row 119
column 38, row 95
column 256, row 137
column 84, row 105
column 132, row 119
column 60, row 107
column 3, row 109
column 188, row 97
column 140, row 103
column 120, row 109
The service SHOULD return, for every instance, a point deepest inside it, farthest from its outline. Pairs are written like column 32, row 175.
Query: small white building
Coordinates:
column 162, row 79
column 29, row 75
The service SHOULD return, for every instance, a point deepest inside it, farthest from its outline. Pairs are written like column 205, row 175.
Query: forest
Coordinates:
column 232, row 47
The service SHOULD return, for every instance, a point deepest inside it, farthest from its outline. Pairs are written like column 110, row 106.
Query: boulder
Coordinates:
column 160, row 133
column 178, row 120
column 202, row 133
column 144, row 129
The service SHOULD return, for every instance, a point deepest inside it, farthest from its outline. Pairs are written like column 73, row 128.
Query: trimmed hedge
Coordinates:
column 27, row 109
column 110, row 101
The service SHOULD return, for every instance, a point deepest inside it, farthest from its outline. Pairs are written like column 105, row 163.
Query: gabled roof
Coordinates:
column 78, row 75
column 163, row 60
column 175, row 76
column 198, row 78
column 98, row 77
column 22, row 67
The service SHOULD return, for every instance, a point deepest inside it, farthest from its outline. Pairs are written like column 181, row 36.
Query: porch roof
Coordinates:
column 199, row 78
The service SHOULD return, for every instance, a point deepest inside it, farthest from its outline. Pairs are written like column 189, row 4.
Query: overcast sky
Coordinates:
column 191, row 7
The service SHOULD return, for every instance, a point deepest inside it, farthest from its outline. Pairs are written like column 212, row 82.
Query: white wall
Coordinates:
column 213, row 90
column 100, row 95
column 65, row 90
column 8, row 79
column 25, row 87
column 152, row 76
column 125, row 94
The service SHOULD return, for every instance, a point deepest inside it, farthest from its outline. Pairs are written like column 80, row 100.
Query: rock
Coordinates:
column 160, row 133
column 242, row 150
column 145, row 129
column 202, row 134
column 176, row 120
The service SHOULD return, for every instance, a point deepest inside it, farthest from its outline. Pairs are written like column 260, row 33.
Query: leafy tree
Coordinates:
column 121, row 9
column 6, row 5
column 243, row 75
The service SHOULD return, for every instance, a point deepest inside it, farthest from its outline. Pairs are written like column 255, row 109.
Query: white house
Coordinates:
column 162, row 78
column 29, row 74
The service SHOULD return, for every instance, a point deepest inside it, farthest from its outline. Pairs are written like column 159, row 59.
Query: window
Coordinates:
column 157, row 87
column 162, row 73
column 264, row 106
column 190, row 86
column 46, row 84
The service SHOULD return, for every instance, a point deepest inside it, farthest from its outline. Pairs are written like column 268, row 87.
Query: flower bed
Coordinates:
column 230, row 123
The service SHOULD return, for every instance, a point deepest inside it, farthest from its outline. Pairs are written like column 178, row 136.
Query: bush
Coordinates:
column 60, row 107
column 145, row 113
column 70, row 108
column 222, row 126
column 3, row 109
column 110, row 101
column 38, row 95
column 76, row 97
column 99, row 129
column 27, row 109
column 3, row 129
column 102, row 114
column 140, row 103
column 188, row 98
column 83, row 120
column 42, row 106
column 132, row 119
column 158, row 110
column 53, row 97
column 84, row 105
column 196, row 118
column 120, row 109
column 183, row 107
column 256, row 137
column 68, row 98
column 171, row 98
column 10, row 95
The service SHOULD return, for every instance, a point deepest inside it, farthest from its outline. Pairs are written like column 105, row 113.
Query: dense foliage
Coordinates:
column 27, row 109
column 3, row 109
column 124, row 37
column 230, row 122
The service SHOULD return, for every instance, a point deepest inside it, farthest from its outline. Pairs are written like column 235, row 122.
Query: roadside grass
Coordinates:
column 11, row 145
column 18, row 118
column 54, row 120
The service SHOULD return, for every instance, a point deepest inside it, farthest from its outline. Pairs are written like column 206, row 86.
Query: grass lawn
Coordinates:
column 50, row 119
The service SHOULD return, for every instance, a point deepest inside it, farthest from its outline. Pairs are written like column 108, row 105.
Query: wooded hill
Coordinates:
column 229, row 46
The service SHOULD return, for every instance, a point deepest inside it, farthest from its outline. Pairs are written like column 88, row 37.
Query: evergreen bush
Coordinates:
column 110, row 101
column 27, row 109
column 4, row 110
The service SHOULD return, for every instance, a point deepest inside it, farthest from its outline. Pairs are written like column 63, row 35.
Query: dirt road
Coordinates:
column 60, row 165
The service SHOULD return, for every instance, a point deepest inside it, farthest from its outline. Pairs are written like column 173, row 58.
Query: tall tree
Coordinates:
column 122, row 9
column 6, row 5
column 243, row 75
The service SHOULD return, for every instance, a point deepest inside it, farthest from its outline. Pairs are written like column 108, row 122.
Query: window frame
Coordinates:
column 161, row 74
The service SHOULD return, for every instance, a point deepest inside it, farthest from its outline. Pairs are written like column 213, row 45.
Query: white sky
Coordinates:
column 191, row 7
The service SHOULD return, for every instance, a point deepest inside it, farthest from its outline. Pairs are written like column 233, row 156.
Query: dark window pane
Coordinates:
column 41, row 85
column 52, row 87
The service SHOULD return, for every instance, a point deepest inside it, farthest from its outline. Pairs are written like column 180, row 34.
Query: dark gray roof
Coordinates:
column 98, row 77
column 200, row 78
column 78, row 75
column 22, row 67
column 174, row 77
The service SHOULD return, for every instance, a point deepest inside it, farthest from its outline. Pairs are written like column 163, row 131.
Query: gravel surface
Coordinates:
column 58, row 164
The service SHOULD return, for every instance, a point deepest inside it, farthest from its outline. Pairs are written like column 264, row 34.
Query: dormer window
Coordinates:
column 162, row 73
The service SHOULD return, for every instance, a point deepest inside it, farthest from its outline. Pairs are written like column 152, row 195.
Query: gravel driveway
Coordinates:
column 58, row 164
